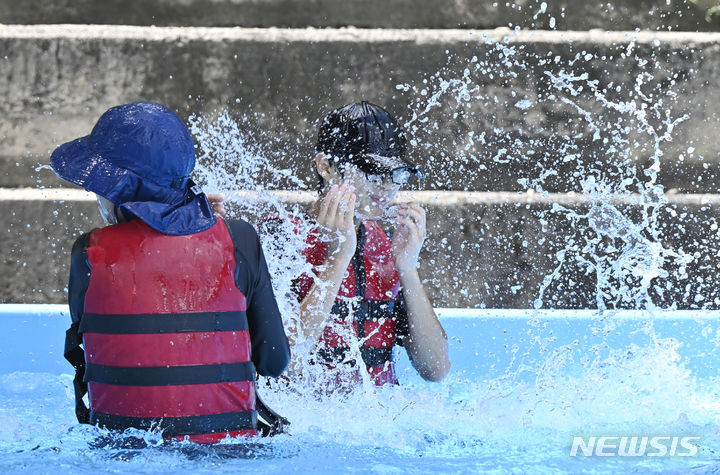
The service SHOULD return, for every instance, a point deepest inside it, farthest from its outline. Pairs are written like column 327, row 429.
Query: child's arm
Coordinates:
column 336, row 221
column 426, row 342
column 74, row 354
column 270, row 347
column 79, row 277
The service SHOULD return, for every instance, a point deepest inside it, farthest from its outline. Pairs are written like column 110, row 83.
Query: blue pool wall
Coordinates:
column 484, row 343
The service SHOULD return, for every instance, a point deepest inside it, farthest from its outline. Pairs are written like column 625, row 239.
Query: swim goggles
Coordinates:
column 399, row 176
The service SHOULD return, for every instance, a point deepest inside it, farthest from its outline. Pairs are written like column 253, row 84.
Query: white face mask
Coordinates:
column 107, row 211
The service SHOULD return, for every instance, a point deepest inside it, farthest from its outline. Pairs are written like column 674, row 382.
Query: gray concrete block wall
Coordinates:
column 494, row 249
column 59, row 79
column 36, row 247
column 567, row 14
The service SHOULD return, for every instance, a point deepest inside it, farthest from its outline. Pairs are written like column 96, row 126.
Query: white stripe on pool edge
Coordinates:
column 437, row 198
column 461, row 313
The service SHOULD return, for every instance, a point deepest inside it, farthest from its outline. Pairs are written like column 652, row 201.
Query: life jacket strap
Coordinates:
column 170, row 376
column 272, row 423
column 158, row 323
column 364, row 310
column 371, row 356
column 173, row 426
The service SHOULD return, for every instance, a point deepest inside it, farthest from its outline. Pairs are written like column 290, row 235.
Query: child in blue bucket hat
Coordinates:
column 173, row 311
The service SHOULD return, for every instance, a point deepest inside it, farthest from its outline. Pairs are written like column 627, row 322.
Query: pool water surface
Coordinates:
column 523, row 384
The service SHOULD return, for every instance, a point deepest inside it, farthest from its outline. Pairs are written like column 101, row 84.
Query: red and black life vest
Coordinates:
column 166, row 335
column 372, row 277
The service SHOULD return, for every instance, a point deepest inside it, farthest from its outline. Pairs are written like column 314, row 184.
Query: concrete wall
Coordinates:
column 57, row 80
column 483, row 250
column 568, row 15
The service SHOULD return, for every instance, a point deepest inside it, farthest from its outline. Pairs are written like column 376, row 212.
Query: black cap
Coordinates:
column 363, row 134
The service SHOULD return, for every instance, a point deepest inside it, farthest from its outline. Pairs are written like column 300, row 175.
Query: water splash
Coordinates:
column 607, row 149
column 233, row 163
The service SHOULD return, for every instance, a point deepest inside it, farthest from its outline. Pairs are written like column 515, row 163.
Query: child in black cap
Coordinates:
column 366, row 284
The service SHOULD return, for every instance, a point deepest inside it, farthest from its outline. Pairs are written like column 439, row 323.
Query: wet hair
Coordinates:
column 352, row 132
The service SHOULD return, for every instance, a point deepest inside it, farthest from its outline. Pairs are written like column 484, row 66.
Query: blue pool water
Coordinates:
column 523, row 384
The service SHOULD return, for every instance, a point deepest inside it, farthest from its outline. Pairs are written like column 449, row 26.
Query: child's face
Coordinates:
column 107, row 210
column 373, row 198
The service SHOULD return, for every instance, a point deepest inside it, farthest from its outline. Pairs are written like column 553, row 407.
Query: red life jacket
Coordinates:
column 372, row 276
column 165, row 334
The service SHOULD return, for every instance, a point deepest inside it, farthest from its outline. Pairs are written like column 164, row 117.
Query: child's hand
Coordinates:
column 216, row 200
column 336, row 218
column 409, row 235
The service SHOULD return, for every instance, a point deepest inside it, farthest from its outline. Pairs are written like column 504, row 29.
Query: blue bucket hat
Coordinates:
column 139, row 156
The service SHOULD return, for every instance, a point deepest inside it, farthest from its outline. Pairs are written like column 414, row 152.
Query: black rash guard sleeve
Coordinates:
column 74, row 354
column 270, row 347
column 79, row 277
